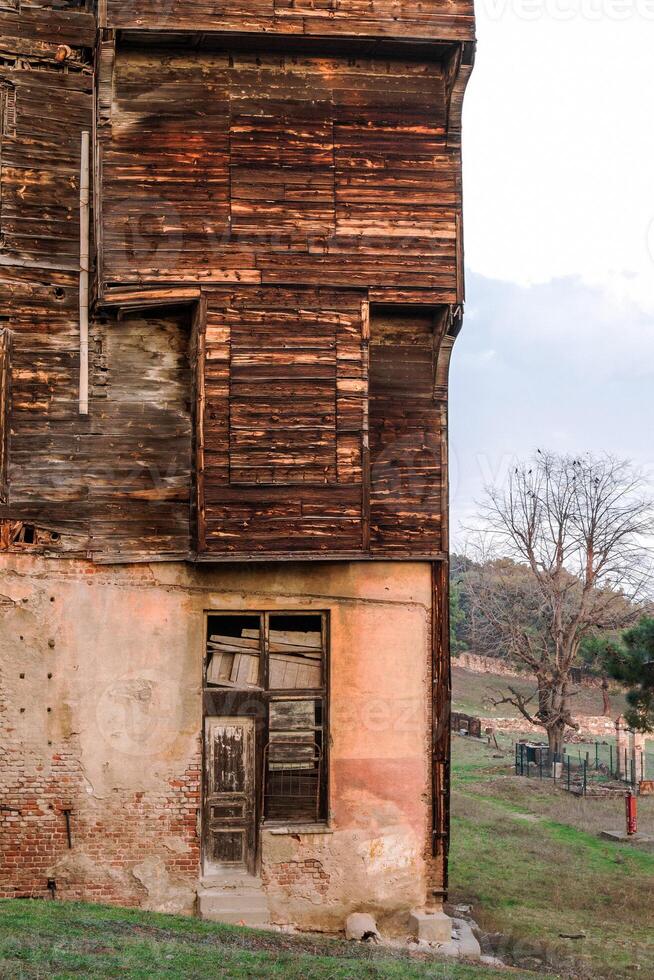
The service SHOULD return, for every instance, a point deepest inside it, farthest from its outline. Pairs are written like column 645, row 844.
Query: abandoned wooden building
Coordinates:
column 231, row 278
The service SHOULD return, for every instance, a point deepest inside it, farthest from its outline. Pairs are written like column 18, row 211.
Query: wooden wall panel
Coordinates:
column 406, row 433
column 5, row 378
column 139, row 457
column 165, row 174
column 435, row 19
column 45, row 22
column 279, row 169
column 39, row 167
column 276, row 195
column 116, row 483
column 284, row 417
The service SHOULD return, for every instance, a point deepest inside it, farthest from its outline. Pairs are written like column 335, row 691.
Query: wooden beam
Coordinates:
column 84, row 268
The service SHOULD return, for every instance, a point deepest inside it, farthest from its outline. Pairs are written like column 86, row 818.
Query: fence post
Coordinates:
column 585, row 776
column 568, row 774
column 597, row 756
column 611, row 773
column 540, row 764
column 516, row 758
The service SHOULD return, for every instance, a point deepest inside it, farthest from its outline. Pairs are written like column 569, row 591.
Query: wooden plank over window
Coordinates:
column 406, row 428
column 284, row 416
column 242, row 167
column 280, row 662
column 43, row 113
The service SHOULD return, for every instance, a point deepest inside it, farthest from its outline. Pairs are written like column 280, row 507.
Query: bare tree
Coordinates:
column 573, row 536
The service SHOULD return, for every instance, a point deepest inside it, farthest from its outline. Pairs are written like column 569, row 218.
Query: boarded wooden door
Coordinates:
column 229, row 811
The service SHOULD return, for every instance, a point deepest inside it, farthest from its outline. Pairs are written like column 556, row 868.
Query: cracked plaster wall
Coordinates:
column 101, row 713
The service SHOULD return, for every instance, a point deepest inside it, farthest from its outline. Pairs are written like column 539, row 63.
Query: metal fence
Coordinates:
column 593, row 768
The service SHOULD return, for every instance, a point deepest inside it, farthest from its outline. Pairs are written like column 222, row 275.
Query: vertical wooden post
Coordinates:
column 441, row 719
column 366, row 481
column 84, row 268
column 5, row 347
column 199, row 367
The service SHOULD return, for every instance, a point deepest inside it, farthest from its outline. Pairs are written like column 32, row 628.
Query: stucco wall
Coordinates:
column 101, row 714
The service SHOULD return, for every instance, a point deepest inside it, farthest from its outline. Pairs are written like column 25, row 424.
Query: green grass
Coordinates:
column 59, row 940
column 526, row 856
column 529, row 858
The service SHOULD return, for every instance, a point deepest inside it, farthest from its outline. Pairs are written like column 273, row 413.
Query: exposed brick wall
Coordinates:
column 289, row 874
column 110, row 837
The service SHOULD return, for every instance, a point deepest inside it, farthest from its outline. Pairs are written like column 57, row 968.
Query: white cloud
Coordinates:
column 559, row 144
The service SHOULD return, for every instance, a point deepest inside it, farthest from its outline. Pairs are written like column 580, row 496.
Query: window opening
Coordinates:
column 279, row 659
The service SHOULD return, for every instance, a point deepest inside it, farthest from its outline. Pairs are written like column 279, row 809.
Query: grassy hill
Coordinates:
column 529, row 859
column 61, row 941
column 473, row 693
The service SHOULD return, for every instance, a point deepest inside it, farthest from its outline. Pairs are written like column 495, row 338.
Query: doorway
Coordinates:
column 265, row 730
column 230, row 797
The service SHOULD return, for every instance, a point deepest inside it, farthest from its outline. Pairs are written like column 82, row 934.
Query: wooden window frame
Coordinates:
column 264, row 695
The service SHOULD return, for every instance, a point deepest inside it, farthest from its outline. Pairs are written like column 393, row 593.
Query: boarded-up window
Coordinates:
column 4, row 412
column 406, row 432
column 283, row 420
column 295, row 655
column 282, row 157
column 234, row 652
column 280, row 659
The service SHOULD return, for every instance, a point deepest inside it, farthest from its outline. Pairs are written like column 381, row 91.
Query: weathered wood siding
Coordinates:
column 426, row 19
column 40, row 160
column 28, row 26
column 39, row 262
column 117, row 482
column 285, row 386
column 407, row 433
column 298, row 209
column 280, row 169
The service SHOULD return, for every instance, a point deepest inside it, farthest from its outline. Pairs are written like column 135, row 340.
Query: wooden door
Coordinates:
column 229, row 807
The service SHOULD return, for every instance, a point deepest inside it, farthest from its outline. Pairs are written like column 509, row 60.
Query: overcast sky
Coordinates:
column 558, row 345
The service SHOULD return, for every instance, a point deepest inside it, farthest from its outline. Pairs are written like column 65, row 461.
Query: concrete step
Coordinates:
column 234, row 898
column 239, row 903
column 232, row 880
